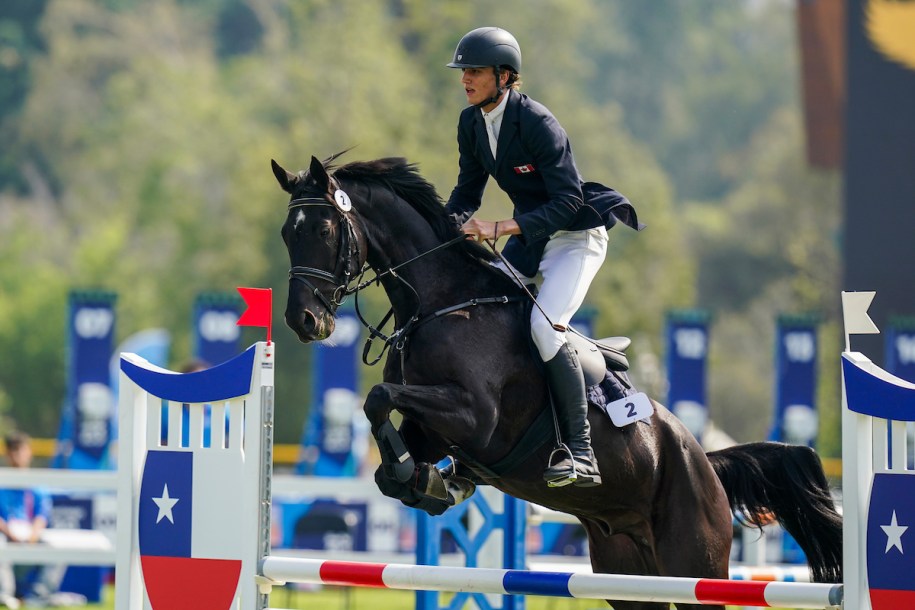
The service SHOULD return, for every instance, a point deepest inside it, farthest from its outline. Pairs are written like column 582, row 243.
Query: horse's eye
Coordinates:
column 325, row 231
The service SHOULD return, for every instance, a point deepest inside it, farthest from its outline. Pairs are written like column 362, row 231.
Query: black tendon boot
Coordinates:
column 567, row 384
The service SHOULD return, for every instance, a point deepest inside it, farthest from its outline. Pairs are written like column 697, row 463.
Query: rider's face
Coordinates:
column 479, row 85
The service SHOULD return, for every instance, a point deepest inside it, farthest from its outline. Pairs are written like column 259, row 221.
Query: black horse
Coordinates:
column 462, row 374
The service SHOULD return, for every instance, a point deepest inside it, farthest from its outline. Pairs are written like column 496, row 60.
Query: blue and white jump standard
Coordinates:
column 194, row 520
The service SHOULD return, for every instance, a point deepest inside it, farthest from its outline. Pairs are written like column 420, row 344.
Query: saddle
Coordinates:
column 597, row 356
column 604, row 364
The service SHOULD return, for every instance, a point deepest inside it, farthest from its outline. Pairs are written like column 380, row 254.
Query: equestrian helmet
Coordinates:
column 487, row 46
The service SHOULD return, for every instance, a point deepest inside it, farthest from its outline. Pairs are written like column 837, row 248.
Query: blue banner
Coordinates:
column 687, row 358
column 796, row 345
column 584, row 320
column 335, row 435
column 89, row 406
column 900, row 347
column 216, row 336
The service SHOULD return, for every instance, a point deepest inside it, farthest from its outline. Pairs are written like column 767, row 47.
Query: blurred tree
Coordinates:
column 769, row 247
column 697, row 77
column 20, row 42
column 137, row 153
column 32, row 315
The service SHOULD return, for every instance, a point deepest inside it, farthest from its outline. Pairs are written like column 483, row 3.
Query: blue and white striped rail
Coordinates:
column 554, row 584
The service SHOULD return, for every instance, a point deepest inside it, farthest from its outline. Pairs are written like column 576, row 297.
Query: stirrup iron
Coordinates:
column 566, row 480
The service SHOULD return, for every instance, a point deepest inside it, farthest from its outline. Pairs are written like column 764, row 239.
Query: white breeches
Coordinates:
column 570, row 261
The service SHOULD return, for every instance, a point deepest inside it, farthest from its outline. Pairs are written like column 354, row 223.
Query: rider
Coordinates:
column 559, row 225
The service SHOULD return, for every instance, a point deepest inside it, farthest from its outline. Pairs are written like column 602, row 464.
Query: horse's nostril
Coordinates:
column 303, row 322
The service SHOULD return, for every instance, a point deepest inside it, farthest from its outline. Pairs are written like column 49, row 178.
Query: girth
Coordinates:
column 539, row 434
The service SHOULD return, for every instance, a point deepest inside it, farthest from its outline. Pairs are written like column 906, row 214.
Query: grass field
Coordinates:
column 339, row 598
column 347, row 598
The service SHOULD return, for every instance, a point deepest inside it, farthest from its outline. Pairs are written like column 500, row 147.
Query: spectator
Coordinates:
column 24, row 516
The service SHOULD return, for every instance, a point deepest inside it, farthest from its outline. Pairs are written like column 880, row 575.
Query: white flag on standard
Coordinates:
column 854, row 308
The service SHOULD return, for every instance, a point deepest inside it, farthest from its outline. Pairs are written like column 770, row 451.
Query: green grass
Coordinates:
column 338, row 598
column 352, row 598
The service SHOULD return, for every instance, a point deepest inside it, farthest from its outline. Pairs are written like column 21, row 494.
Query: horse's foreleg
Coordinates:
column 421, row 485
column 430, row 406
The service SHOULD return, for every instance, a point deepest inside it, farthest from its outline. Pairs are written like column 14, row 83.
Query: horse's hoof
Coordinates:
column 459, row 488
column 432, row 506
column 429, row 482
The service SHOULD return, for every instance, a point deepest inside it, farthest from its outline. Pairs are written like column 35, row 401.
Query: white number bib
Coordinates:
column 630, row 409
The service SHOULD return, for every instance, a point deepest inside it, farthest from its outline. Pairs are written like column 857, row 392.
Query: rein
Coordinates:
column 341, row 278
column 398, row 337
column 345, row 262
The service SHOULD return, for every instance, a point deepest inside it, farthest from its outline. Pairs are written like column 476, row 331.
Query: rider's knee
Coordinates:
column 547, row 339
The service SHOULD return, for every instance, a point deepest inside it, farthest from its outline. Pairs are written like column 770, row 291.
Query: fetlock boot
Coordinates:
column 575, row 462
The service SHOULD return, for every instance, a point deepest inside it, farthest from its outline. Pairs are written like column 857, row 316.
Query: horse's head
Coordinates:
column 325, row 248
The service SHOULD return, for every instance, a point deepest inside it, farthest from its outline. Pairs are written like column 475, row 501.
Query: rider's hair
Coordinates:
column 514, row 79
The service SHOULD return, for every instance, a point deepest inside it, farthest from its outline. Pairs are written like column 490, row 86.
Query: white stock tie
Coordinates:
column 491, row 133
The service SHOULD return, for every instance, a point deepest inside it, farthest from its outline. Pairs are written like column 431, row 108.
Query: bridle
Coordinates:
column 342, row 278
column 347, row 254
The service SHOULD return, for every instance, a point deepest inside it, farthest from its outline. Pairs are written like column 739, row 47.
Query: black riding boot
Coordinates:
column 567, row 384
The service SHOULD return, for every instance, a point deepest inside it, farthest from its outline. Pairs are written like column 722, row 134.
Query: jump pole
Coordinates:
column 553, row 584
column 220, row 512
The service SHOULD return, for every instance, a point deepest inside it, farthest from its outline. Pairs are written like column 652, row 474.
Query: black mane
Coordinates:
column 403, row 178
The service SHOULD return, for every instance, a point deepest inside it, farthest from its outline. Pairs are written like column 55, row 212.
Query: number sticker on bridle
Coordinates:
column 342, row 200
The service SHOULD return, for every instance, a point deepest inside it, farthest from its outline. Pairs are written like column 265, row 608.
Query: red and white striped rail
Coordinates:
column 554, row 584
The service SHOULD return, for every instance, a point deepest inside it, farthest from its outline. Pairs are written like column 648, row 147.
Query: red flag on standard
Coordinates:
column 260, row 307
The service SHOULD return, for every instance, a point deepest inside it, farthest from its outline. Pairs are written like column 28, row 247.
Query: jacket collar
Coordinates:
column 509, row 128
column 507, row 133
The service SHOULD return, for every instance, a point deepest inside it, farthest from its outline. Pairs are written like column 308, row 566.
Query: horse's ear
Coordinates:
column 319, row 173
column 287, row 181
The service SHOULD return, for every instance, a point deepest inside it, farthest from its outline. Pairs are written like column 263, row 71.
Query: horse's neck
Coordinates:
column 398, row 235
column 440, row 279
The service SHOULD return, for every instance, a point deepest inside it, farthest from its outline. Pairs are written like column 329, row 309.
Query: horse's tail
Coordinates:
column 787, row 482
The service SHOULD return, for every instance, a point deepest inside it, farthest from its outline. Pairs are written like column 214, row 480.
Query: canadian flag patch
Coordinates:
column 524, row 169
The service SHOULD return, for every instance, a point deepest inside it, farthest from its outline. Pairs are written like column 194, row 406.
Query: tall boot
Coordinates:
column 567, row 385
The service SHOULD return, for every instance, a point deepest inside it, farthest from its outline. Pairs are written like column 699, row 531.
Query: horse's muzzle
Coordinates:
column 309, row 327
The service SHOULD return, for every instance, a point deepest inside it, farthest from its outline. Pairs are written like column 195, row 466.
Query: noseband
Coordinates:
column 347, row 258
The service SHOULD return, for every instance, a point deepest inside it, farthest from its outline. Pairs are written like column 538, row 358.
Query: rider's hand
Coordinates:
column 485, row 229
column 479, row 229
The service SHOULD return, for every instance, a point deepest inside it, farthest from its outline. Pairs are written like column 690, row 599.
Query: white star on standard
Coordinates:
column 894, row 533
column 166, row 503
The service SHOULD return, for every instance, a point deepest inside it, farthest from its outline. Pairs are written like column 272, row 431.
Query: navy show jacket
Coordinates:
column 535, row 168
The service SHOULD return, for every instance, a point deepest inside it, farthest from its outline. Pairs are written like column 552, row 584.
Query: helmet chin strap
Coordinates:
column 499, row 89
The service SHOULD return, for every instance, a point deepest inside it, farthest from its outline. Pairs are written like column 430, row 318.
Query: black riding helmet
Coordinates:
column 488, row 46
